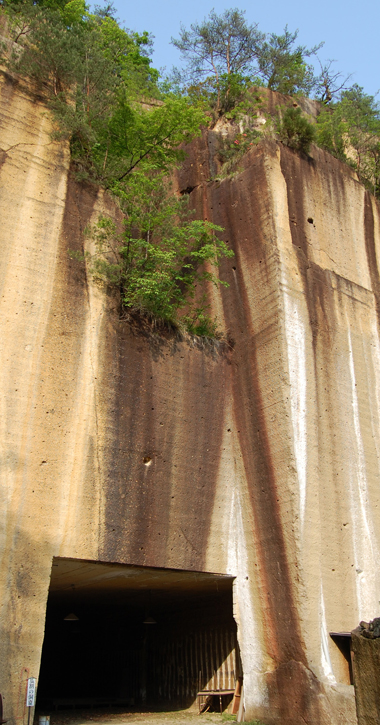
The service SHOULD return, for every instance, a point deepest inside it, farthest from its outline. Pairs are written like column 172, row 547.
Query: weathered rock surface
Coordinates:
column 366, row 667
column 264, row 457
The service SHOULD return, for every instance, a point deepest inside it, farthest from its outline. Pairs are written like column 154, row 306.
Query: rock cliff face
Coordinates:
column 263, row 458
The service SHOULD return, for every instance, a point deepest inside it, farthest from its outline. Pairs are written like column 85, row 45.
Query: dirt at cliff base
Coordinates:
column 179, row 717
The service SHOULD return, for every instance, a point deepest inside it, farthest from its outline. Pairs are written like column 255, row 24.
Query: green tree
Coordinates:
column 283, row 66
column 158, row 134
column 223, row 47
column 103, row 92
column 59, row 47
column 350, row 130
column 161, row 256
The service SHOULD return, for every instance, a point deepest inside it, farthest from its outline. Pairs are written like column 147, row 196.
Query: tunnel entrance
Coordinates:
column 119, row 635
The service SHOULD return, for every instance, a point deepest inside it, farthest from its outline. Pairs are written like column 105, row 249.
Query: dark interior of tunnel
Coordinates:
column 133, row 636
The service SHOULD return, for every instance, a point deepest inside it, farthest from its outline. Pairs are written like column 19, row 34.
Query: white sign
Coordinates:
column 31, row 692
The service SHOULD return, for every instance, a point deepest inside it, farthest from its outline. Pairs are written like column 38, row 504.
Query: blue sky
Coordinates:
column 350, row 29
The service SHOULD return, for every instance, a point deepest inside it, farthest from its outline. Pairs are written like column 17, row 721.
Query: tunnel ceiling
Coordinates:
column 88, row 579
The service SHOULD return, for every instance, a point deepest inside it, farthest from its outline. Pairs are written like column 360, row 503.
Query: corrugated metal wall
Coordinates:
column 180, row 666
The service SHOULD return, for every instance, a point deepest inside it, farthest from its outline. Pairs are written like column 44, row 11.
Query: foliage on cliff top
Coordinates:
column 224, row 53
column 126, row 135
column 350, row 130
column 127, row 131
column 223, row 56
column 101, row 88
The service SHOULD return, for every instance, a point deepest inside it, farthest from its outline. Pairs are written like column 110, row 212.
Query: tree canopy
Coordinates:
column 220, row 44
column 283, row 66
column 101, row 88
column 232, row 51
column 158, row 261
column 350, row 130
column 224, row 46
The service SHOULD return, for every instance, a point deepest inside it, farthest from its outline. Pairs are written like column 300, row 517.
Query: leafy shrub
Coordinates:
column 161, row 257
column 295, row 130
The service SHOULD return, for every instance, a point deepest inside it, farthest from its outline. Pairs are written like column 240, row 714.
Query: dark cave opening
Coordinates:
column 124, row 636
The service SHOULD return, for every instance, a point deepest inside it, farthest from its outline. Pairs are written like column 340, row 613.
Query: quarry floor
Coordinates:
column 178, row 717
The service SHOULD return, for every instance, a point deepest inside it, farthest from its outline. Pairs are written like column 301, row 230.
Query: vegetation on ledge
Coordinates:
column 162, row 257
column 127, row 129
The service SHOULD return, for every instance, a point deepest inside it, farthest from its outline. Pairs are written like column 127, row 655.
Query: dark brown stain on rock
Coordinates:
column 163, row 451
column 67, row 317
column 8, row 87
column 306, row 704
column 373, row 262
column 3, row 158
column 195, row 169
column 291, row 164
column 242, row 206
column 316, row 281
column 282, row 626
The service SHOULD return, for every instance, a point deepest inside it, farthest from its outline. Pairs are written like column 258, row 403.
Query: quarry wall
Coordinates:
column 258, row 459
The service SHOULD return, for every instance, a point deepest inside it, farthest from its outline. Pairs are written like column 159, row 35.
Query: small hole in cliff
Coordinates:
column 310, row 220
column 188, row 190
column 234, row 268
column 147, row 461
